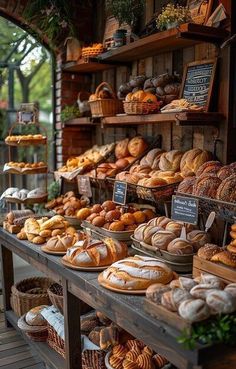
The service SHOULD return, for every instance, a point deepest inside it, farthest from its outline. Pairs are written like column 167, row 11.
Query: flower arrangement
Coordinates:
column 172, row 16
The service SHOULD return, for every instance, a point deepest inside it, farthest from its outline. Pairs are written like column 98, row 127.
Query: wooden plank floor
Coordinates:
column 14, row 352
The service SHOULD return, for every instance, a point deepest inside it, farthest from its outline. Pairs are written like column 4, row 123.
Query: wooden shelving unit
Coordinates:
column 181, row 119
column 90, row 65
column 184, row 36
column 84, row 121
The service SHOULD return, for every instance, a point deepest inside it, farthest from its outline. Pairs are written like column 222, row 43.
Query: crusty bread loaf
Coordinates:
column 136, row 273
column 183, row 282
column 194, row 310
column 62, row 243
column 225, row 172
column 186, row 186
column 34, row 317
column 149, row 231
column 208, row 250
column 212, row 167
column 221, row 302
column 174, row 227
column 192, row 160
column 155, row 291
column 231, row 288
column 121, row 149
column 160, row 221
column 93, row 253
column 179, row 246
column 162, row 238
column 206, row 185
column 198, row 238
column 137, row 146
column 212, row 280
column 170, row 160
column 201, row 290
column 226, row 190
column 172, row 299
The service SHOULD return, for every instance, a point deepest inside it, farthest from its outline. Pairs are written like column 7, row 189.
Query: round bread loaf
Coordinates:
column 162, row 239
column 172, row 299
column 206, row 185
column 170, row 160
column 159, row 221
column 225, row 172
column 139, row 232
column 221, row 302
column 226, row 190
column 231, row 288
column 186, row 186
column 155, row 292
column 198, row 238
column 192, row 160
column 212, row 280
column 174, row 227
column 209, row 167
column 137, row 146
column 136, row 273
column 179, row 246
column 34, row 317
column 184, row 283
column 137, row 168
column 201, row 290
column 194, row 310
column 206, row 252
column 149, row 231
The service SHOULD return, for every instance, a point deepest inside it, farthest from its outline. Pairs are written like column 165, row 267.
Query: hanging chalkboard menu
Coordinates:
column 119, row 192
column 184, row 209
column 84, row 186
column 198, row 82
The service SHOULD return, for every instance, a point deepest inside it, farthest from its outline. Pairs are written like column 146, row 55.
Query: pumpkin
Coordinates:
column 139, row 96
column 129, row 97
column 150, row 98
column 92, row 97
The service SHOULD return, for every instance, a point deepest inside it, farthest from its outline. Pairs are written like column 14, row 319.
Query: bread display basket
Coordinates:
column 105, row 107
column 35, row 333
column 140, row 108
column 101, row 233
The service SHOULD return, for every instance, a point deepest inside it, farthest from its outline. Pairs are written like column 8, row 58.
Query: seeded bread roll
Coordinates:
column 221, row 302
column 194, row 310
column 226, row 190
column 208, row 251
column 212, row 167
column 206, row 185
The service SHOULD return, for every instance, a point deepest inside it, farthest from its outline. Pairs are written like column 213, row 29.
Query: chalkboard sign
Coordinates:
column 84, row 186
column 119, row 192
column 198, row 81
column 184, row 209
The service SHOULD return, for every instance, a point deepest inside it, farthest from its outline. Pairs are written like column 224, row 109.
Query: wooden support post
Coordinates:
column 7, row 278
column 72, row 308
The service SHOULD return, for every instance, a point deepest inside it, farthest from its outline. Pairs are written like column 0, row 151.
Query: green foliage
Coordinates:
column 70, row 112
column 53, row 190
column 220, row 329
column 3, row 129
column 126, row 11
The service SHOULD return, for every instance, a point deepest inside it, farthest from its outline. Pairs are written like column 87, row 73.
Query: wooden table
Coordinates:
column 125, row 310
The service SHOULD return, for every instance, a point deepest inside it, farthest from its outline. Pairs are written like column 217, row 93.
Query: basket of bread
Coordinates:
column 104, row 102
column 25, row 168
column 141, row 102
column 34, row 325
column 25, row 140
column 24, row 196
column 92, row 51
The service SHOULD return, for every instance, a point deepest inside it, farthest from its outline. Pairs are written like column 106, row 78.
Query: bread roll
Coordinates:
column 221, row 302
column 225, row 257
column 172, row 299
column 162, row 239
column 209, row 167
column 170, row 160
column 201, row 290
column 225, row 172
column 160, row 221
column 179, row 246
column 139, row 217
column 186, row 186
column 53, row 222
column 136, row 273
column 212, row 280
column 206, row 252
column 174, row 227
column 136, row 146
column 155, row 292
column 232, row 248
column 194, row 310
column 117, row 226
column 192, row 160
column 83, row 213
column 108, row 205
column 34, row 317
column 231, row 288
column 184, row 283
column 198, row 239
column 226, row 190
column 121, row 149
column 149, row 231
column 139, row 232
column 99, row 221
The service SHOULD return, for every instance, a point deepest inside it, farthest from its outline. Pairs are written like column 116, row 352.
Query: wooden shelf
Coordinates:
column 90, row 65
column 186, row 35
column 84, row 121
column 48, row 355
column 181, row 119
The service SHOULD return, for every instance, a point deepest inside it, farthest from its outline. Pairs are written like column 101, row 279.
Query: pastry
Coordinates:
column 180, row 246
column 221, row 302
column 109, row 336
column 136, row 273
column 155, row 291
column 194, row 310
column 162, row 239
column 202, row 290
column 192, row 160
column 116, row 362
column 137, row 146
column 198, row 238
column 139, row 216
column 183, row 282
column 144, row 361
column 159, row 361
column 231, row 248
column 173, row 298
column 225, row 257
column 186, row 186
column 209, row 167
column 208, row 251
column 226, row 190
column 119, row 351
column 206, row 185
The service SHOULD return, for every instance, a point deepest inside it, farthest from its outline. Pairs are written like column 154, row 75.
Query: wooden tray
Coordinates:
column 169, row 317
column 224, row 272
column 114, row 289
column 41, row 141
column 85, row 269
column 50, row 252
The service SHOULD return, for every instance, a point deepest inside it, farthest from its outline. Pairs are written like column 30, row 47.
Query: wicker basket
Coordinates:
column 91, row 51
column 105, row 107
column 55, row 295
column 35, row 333
column 136, row 107
column 29, row 293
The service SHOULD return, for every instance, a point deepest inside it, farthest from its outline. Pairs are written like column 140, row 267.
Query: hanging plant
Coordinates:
column 52, row 18
column 126, row 11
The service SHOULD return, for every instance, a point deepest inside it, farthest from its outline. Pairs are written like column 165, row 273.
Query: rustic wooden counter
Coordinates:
column 125, row 310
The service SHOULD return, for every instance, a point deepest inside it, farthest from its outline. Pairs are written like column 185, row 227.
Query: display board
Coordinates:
column 184, row 209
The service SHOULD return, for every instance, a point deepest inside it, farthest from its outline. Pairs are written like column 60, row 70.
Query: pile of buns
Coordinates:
column 159, row 168
column 39, row 231
column 213, row 180
column 126, row 152
column 195, row 299
column 163, row 233
column 95, row 253
column 19, row 138
column 89, row 157
column 164, row 87
column 22, row 165
column 67, row 204
column 111, row 216
column 133, row 354
column 23, row 194
column 135, row 273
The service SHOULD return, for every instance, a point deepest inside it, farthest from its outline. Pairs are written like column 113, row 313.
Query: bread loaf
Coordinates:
column 212, row 280
column 160, row 221
column 221, row 302
column 208, row 251
column 192, row 160
column 198, row 239
column 209, row 167
column 206, row 185
column 226, row 190
column 62, row 243
column 174, row 227
column 137, row 146
column 194, row 310
column 121, row 149
column 225, row 172
column 186, row 186
column 172, row 299
column 34, row 317
column 201, row 290
column 184, row 283
column 149, row 231
column 179, row 246
column 170, row 160
column 162, row 239
column 136, row 273
column 155, row 291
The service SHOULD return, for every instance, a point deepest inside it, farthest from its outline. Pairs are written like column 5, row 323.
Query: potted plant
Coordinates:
column 126, row 11
column 172, row 16
column 70, row 112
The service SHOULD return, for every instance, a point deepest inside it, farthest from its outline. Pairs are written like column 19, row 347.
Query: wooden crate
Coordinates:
column 224, row 272
column 169, row 317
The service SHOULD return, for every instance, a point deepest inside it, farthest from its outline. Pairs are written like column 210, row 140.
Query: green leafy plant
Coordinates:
column 53, row 190
column 70, row 112
column 126, row 11
column 220, row 329
column 173, row 14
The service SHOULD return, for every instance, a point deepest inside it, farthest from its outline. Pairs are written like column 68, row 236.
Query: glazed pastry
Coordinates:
column 194, row 310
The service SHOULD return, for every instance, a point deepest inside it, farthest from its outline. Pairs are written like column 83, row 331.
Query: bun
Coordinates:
column 83, row 213
column 117, row 226
column 112, row 215
column 179, row 246
column 98, row 221
column 155, row 292
column 108, row 205
column 121, row 149
column 208, row 251
column 226, row 191
column 137, row 146
column 97, row 208
column 127, row 219
column 198, row 239
column 206, row 185
column 136, row 273
column 221, row 302
column 201, row 291
column 172, row 299
column 139, row 216
column 162, row 239
column 183, row 282
column 194, row 310
column 192, row 160
column 170, row 160
column 149, row 214
column 210, row 167
column 34, row 317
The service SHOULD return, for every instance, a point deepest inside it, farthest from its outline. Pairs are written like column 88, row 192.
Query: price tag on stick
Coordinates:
column 119, row 192
column 84, row 186
column 184, row 209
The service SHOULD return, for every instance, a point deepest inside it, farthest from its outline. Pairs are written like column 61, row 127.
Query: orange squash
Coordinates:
column 139, row 96
column 128, row 97
column 150, row 98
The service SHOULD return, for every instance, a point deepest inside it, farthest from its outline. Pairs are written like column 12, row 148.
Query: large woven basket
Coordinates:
column 105, row 107
column 29, row 293
column 138, row 107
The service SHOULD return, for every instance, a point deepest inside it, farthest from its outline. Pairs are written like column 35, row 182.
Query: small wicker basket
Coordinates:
column 105, row 107
column 35, row 333
column 91, row 51
column 139, row 107
column 29, row 293
column 55, row 294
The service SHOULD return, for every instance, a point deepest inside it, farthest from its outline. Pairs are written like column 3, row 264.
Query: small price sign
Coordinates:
column 84, row 186
column 184, row 209
column 119, row 192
